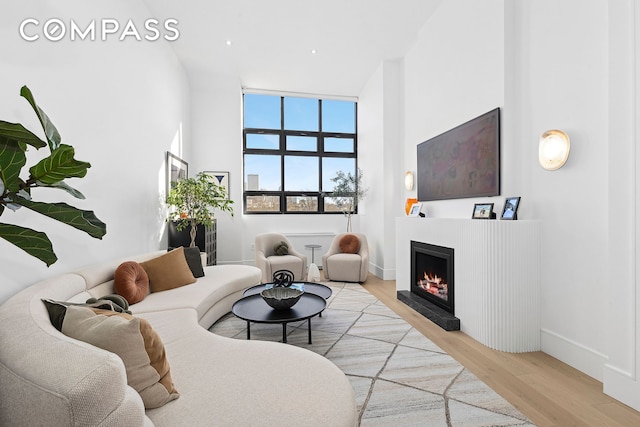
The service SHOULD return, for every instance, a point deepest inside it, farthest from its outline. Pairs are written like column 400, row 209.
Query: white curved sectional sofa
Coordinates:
column 47, row 378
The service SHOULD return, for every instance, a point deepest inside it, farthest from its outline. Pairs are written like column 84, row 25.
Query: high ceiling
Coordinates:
column 271, row 42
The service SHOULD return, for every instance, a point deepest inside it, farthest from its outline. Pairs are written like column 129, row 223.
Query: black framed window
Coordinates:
column 292, row 147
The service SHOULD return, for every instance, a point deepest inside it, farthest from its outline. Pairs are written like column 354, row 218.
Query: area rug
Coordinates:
column 400, row 377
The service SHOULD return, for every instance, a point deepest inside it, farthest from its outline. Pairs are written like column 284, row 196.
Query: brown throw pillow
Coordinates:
column 131, row 281
column 168, row 271
column 349, row 244
column 134, row 341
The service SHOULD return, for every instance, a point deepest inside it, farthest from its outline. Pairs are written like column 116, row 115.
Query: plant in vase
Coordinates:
column 347, row 192
column 193, row 201
column 50, row 172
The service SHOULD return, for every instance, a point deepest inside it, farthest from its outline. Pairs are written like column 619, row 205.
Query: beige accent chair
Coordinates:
column 268, row 262
column 346, row 267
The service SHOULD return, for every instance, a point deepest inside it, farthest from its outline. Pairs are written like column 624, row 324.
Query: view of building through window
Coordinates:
column 293, row 147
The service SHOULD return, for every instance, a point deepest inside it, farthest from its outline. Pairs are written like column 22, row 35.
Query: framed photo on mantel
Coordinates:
column 510, row 210
column 483, row 211
column 416, row 208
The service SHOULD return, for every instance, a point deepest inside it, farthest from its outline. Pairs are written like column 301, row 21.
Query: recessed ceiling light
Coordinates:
column 313, row 51
column 228, row 42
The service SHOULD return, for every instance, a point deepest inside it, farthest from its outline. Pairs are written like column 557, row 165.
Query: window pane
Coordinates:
column 338, row 116
column 301, row 173
column 266, row 141
column 301, row 114
column 338, row 204
column 261, row 173
column 302, row 143
column 338, row 145
column 261, row 111
column 302, row 204
column 331, row 165
column 263, row 203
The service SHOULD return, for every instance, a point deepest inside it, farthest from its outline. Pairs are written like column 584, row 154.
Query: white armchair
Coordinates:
column 347, row 264
column 268, row 262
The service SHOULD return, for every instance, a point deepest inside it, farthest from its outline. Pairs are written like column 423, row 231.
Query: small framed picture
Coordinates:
column 483, row 211
column 176, row 169
column 510, row 210
column 415, row 209
column 222, row 179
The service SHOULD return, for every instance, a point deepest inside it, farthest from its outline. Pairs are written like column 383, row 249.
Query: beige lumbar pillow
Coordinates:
column 168, row 271
column 134, row 341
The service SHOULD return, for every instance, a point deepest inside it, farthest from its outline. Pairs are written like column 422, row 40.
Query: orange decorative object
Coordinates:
column 183, row 214
column 410, row 201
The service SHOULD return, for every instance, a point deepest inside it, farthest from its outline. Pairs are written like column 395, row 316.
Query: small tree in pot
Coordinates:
column 194, row 201
column 348, row 192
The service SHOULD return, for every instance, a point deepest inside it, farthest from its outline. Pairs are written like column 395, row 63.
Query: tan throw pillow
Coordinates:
column 168, row 271
column 349, row 244
column 131, row 282
column 134, row 341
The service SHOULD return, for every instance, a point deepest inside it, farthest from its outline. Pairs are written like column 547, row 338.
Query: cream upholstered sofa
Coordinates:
column 48, row 378
column 350, row 264
column 268, row 262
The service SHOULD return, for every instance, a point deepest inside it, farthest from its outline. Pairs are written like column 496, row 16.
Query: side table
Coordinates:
column 313, row 248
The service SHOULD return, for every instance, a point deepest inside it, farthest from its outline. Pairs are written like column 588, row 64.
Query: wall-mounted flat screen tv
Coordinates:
column 462, row 162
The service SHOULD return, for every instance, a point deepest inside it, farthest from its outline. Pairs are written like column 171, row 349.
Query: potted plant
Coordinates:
column 193, row 201
column 50, row 172
column 348, row 192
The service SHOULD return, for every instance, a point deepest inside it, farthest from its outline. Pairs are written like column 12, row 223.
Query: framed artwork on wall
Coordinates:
column 176, row 169
column 483, row 211
column 462, row 162
column 510, row 210
column 222, row 179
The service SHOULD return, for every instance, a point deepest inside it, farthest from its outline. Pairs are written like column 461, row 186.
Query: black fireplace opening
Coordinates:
column 432, row 274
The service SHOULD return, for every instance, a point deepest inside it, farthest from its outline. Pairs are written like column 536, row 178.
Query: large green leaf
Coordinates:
column 12, row 159
column 58, row 166
column 17, row 132
column 63, row 186
column 50, row 131
column 35, row 243
column 77, row 218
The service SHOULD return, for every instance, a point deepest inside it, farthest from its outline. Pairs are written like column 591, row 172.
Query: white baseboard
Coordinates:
column 579, row 356
column 622, row 386
column 384, row 274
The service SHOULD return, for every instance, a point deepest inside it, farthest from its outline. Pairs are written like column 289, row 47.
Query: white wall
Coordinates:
column 623, row 335
column 455, row 72
column 380, row 152
column 548, row 64
column 121, row 105
column 564, row 85
column 216, row 115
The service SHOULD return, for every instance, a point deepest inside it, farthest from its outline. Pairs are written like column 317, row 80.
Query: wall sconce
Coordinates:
column 553, row 150
column 408, row 180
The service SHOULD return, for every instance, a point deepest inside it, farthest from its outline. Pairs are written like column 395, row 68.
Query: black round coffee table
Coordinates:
column 309, row 287
column 253, row 308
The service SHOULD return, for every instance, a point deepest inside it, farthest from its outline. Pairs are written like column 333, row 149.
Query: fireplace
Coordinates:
column 432, row 274
column 432, row 284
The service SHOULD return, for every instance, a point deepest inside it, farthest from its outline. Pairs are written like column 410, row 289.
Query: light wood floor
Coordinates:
column 549, row 392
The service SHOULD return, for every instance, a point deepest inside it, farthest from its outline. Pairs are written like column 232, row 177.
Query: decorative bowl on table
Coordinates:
column 281, row 298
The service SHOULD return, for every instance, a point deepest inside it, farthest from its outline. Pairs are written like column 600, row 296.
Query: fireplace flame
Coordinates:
column 434, row 285
column 432, row 279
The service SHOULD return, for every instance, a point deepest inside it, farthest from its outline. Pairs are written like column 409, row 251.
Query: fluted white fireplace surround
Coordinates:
column 496, row 273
